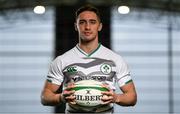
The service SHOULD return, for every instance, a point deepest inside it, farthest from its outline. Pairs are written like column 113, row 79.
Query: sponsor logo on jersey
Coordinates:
column 106, row 68
column 97, row 78
column 71, row 69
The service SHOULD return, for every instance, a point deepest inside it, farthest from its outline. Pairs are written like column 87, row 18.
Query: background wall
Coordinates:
column 144, row 43
column 26, row 50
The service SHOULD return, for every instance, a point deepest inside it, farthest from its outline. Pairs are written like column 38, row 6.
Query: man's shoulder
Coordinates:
column 112, row 55
column 67, row 54
column 109, row 51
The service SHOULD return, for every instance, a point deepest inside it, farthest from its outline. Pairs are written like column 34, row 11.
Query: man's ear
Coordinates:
column 75, row 26
column 100, row 27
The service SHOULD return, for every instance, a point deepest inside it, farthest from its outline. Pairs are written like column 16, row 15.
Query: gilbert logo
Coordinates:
column 106, row 68
column 71, row 69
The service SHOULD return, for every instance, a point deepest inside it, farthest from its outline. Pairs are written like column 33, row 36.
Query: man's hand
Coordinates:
column 108, row 96
column 127, row 98
column 68, row 94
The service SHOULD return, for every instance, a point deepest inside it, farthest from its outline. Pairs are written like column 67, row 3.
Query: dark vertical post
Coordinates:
column 170, row 66
column 105, row 34
column 67, row 37
column 170, row 59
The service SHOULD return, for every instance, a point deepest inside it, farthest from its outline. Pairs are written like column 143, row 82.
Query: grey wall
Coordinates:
column 26, row 49
column 143, row 42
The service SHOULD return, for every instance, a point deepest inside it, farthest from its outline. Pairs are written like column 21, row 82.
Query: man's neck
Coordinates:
column 88, row 47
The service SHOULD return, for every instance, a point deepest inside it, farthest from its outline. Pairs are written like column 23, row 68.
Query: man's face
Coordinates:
column 88, row 25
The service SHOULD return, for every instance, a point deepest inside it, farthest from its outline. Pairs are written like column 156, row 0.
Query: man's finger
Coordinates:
column 108, row 93
column 70, row 86
column 106, row 86
column 71, row 97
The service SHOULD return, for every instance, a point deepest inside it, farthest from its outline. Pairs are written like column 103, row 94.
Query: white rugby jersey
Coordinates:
column 101, row 65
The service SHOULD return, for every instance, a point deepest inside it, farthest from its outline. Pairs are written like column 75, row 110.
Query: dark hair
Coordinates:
column 88, row 7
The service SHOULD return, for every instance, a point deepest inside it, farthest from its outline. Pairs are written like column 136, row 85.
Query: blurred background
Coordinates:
column 145, row 32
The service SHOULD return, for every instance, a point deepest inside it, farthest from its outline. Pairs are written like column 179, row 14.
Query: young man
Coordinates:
column 89, row 60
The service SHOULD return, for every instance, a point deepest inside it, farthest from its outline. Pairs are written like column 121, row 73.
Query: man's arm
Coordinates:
column 127, row 98
column 49, row 95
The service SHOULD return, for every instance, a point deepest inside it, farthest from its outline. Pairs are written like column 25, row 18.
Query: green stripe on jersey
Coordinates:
column 49, row 80
column 129, row 81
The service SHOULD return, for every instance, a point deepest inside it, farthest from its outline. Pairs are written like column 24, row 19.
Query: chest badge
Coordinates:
column 106, row 68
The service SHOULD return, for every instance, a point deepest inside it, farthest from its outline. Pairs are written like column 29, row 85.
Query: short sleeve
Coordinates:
column 55, row 74
column 122, row 72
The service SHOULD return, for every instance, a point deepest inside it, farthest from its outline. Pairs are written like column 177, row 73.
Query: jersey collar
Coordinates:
column 84, row 53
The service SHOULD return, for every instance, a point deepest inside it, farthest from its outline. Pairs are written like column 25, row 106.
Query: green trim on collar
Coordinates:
column 94, row 50
column 81, row 50
column 88, row 55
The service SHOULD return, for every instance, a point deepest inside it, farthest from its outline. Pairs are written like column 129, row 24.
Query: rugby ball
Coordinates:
column 88, row 93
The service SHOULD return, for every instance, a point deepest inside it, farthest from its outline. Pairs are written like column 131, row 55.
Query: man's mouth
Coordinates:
column 87, row 33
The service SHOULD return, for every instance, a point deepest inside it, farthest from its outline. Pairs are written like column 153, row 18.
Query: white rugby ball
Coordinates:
column 88, row 93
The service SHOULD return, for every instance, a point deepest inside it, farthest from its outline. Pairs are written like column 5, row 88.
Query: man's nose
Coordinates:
column 87, row 26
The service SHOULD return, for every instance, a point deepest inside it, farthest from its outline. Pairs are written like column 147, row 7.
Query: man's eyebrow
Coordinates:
column 82, row 20
column 92, row 19
column 87, row 20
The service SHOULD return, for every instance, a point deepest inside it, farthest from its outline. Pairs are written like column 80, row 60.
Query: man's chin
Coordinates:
column 87, row 39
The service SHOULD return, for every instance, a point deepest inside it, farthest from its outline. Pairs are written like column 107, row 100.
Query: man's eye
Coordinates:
column 81, row 22
column 93, row 22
